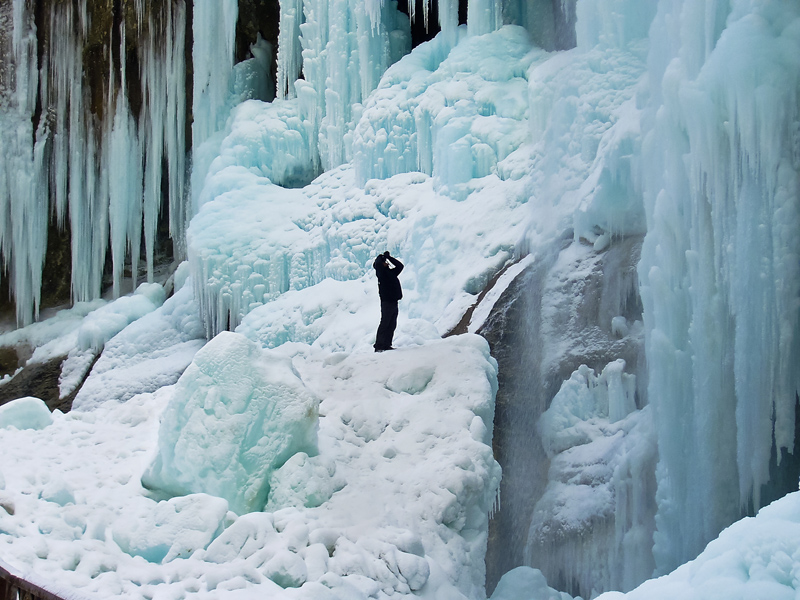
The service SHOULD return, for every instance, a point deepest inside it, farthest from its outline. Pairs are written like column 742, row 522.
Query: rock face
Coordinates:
column 573, row 307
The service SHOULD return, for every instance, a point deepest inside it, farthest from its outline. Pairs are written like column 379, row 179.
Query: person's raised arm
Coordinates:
column 398, row 266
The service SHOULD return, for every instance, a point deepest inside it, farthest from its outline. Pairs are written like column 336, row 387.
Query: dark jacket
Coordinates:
column 388, row 283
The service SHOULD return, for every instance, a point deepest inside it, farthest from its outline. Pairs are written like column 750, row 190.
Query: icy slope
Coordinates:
column 396, row 500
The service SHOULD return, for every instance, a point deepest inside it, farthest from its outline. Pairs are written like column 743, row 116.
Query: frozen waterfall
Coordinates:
column 88, row 142
column 720, row 272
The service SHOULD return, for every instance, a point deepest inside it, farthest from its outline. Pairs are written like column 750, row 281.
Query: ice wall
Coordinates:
column 345, row 46
column 454, row 112
column 75, row 144
column 720, row 273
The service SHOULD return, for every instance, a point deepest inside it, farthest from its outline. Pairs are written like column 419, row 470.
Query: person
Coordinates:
column 387, row 268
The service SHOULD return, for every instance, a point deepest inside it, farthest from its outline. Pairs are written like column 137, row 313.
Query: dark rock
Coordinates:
column 39, row 380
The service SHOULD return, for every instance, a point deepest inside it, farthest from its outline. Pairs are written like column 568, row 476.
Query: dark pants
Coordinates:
column 383, row 339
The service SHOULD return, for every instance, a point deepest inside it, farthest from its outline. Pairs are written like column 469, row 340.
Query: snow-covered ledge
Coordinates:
column 395, row 503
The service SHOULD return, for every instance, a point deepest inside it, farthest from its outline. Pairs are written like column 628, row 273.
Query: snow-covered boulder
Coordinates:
column 237, row 414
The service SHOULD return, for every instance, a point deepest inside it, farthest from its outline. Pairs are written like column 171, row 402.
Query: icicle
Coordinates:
column 214, row 36
column 289, row 48
column 175, row 119
column 23, row 173
column 495, row 504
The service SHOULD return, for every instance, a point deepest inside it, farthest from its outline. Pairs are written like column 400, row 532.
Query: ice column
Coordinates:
column 289, row 48
column 23, row 174
column 720, row 274
column 483, row 16
column 214, row 29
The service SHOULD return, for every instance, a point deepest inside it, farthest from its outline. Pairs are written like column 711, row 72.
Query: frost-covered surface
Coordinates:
column 396, row 499
column 150, row 353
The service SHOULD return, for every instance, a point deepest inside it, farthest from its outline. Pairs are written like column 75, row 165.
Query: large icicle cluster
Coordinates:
column 720, row 269
column 93, row 159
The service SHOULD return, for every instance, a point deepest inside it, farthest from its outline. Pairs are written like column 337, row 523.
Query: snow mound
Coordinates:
column 164, row 531
column 526, row 583
column 237, row 414
column 150, row 353
column 756, row 557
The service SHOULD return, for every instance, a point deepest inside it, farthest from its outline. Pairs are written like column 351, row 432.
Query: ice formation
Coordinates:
column 237, row 415
column 452, row 111
column 343, row 48
column 25, row 413
column 99, row 169
column 675, row 120
column 602, row 455
column 719, row 271
column 526, row 583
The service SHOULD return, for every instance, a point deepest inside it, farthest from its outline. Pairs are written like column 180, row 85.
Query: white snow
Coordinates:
column 396, row 499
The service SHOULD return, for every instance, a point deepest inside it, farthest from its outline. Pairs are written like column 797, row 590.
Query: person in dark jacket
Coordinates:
column 387, row 268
